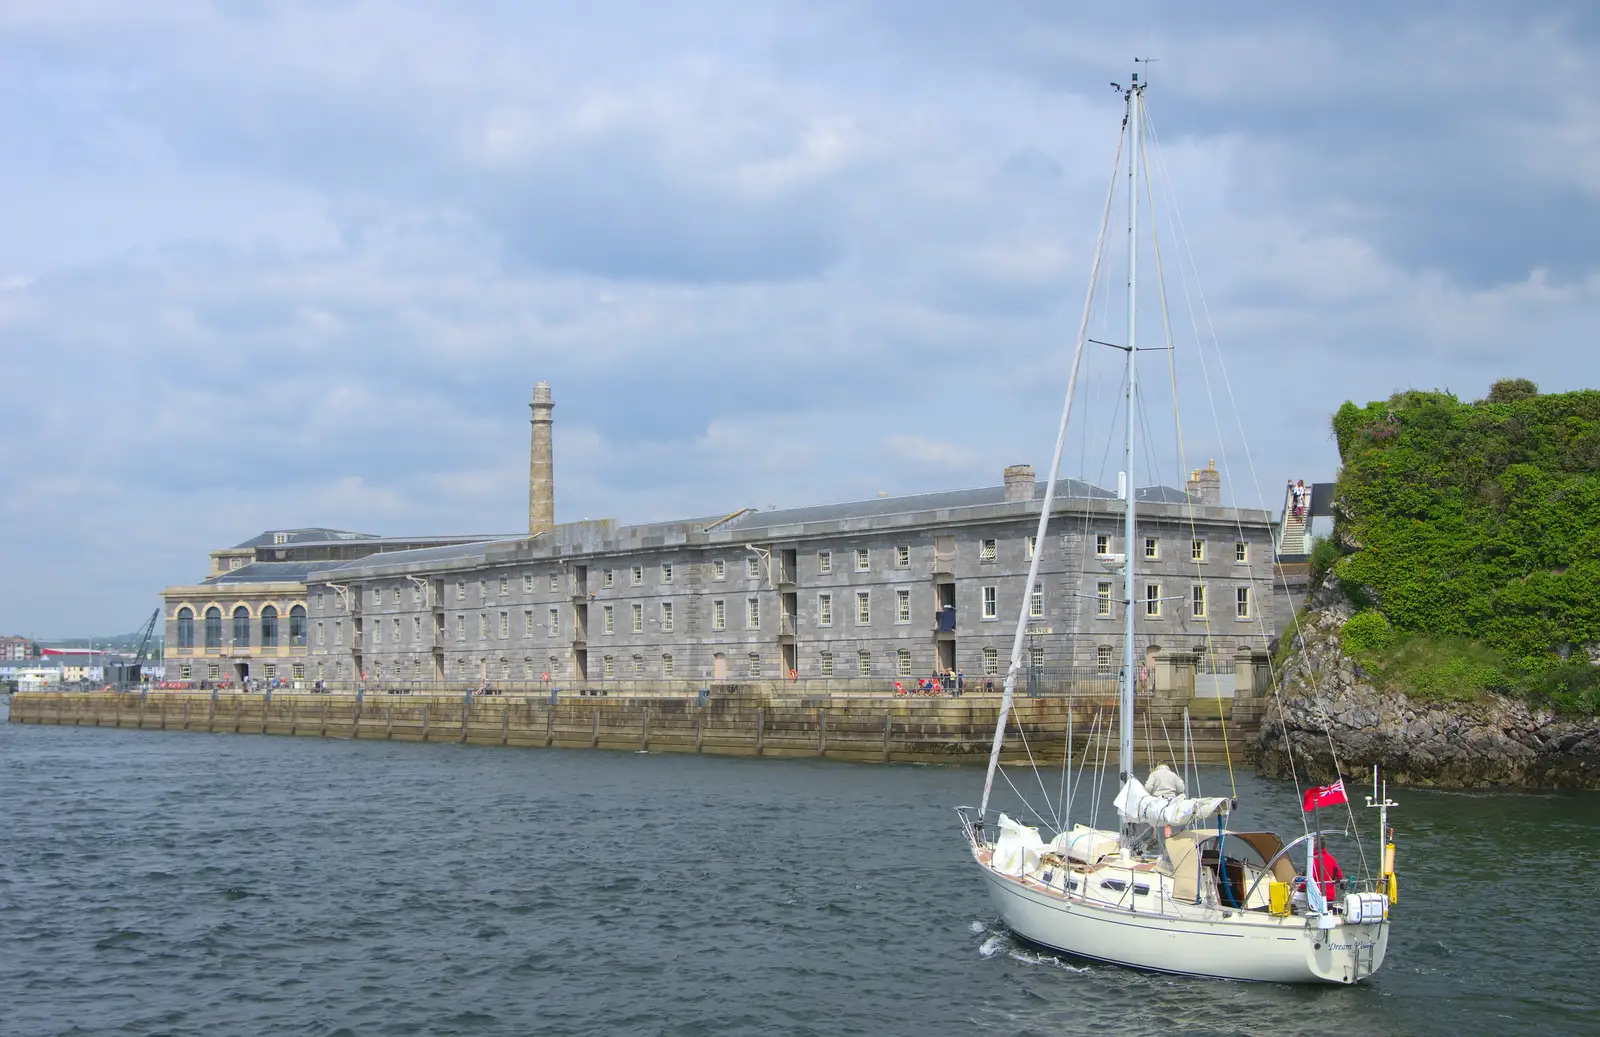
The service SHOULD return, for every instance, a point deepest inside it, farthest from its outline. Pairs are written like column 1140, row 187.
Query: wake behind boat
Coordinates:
column 1173, row 888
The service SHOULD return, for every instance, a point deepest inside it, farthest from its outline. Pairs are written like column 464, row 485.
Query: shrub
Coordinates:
column 1510, row 390
column 1324, row 553
column 1366, row 634
column 1572, row 687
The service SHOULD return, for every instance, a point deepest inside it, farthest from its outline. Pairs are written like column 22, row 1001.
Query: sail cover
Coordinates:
column 1017, row 850
column 1137, row 804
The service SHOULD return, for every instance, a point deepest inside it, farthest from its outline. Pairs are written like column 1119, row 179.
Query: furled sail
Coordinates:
column 1137, row 804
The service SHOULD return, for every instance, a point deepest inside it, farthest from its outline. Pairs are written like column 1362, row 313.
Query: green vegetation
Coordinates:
column 1470, row 534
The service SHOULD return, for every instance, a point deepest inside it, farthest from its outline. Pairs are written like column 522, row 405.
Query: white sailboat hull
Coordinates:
column 1244, row 946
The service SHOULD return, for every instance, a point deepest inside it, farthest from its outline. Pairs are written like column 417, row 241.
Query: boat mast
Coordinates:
column 1125, row 707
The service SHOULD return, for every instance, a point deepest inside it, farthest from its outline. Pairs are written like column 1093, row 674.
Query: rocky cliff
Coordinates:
column 1490, row 741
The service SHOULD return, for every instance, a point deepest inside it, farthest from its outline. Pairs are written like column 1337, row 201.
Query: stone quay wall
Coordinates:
column 899, row 730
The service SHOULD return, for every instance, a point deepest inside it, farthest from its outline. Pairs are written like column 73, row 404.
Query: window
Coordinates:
column 863, row 560
column 1197, row 550
column 638, row 618
column 1152, row 547
column 636, row 575
column 863, row 607
column 416, row 628
column 1032, row 545
column 752, row 613
column 416, row 594
column 755, row 664
column 986, row 550
column 280, row 538
column 1103, row 660
column 991, row 603
column 608, row 578
column 608, row 667
column 752, row 568
column 1036, row 658
column 1036, row 603
column 1102, row 599
column 555, row 622
column 608, row 620
column 902, row 557
column 322, row 633
column 824, row 610
column 1241, row 552
column 186, row 671
column 186, row 627
column 397, row 594
column 213, row 627
column 213, row 670
column 1152, row 600
column 1241, row 604
column 902, row 606
column 377, row 596
column 505, row 585
column 902, row 662
column 555, row 583
column 825, row 665
column 483, row 626
column 991, row 661
column 1197, row 601
column 864, row 663
column 824, row 562
column 666, row 615
column 241, row 627
column 527, row 622
column 320, row 602
column 719, row 569
column 666, row 572
column 394, row 629
column 269, row 671
column 527, row 583
column 1102, row 544
column 719, row 615
column 461, row 590
column 638, row 665
column 505, row 624
column 338, row 631
column 461, row 627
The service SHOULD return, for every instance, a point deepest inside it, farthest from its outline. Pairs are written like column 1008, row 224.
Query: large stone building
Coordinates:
column 879, row 589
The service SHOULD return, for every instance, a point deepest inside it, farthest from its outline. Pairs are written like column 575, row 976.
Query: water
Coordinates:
column 171, row 883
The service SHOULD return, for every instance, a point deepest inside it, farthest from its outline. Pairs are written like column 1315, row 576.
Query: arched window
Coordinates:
column 186, row 627
column 297, row 626
column 269, row 627
column 241, row 627
column 213, row 627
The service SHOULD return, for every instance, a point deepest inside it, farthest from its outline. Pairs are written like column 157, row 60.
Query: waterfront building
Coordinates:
column 888, row 589
column 18, row 648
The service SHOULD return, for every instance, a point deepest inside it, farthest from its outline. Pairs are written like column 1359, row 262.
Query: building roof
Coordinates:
column 267, row 572
column 314, row 534
column 913, row 502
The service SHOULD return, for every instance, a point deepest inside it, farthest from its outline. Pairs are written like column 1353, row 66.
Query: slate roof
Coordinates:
column 267, row 572
column 314, row 534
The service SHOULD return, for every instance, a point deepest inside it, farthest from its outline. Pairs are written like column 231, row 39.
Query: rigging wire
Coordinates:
column 1274, row 674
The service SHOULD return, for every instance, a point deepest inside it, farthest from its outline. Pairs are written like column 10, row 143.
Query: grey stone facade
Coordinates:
column 767, row 593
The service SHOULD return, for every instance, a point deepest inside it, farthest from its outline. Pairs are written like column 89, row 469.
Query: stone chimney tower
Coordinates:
column 541, row 464
column 1205, row 485
column 1020, row 483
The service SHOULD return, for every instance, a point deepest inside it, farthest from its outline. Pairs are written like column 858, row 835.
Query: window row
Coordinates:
column 1199, row 605
column 1152, row 548
column 242, row 627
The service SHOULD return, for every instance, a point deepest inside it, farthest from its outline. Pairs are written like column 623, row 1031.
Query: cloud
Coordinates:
column 271, row 265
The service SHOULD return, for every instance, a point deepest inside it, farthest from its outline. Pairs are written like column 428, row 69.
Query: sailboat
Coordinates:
column 1172, row 889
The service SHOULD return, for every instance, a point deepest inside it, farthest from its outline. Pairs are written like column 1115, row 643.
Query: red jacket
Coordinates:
column 1326, row 870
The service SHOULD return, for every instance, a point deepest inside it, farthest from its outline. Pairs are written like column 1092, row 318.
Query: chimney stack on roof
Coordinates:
column 1205, row 485
column 1020, row 483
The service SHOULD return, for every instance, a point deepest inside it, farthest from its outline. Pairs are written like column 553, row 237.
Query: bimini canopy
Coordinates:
column 1139, row 805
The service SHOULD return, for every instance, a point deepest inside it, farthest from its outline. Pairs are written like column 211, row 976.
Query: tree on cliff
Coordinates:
column 1479, row 523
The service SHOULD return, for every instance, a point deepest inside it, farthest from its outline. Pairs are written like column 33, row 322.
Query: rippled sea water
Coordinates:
column 172, row 883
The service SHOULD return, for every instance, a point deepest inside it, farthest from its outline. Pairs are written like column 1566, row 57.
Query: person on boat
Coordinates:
column 1164, row 782
column 1325, row 869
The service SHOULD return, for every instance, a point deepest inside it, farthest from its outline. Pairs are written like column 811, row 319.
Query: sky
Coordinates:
column 271, row 265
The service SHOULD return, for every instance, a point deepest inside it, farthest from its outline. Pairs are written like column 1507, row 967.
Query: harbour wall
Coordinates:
column 887, row 730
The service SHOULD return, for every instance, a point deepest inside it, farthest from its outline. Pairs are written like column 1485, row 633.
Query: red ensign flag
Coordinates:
column 1324, row 796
